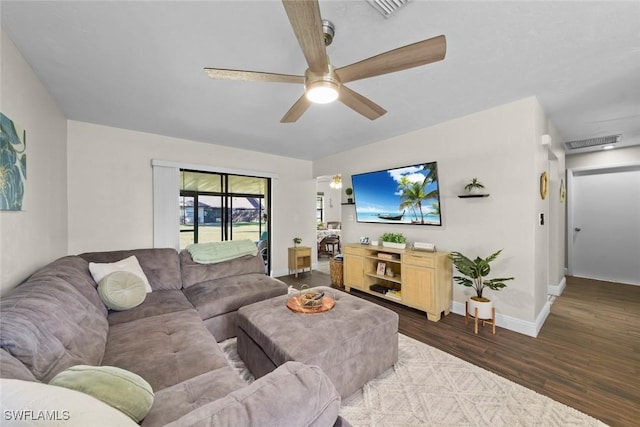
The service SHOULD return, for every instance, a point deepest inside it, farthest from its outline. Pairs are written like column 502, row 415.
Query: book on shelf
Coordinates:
column 379, row 288
column 394, row 294
column 386, row 255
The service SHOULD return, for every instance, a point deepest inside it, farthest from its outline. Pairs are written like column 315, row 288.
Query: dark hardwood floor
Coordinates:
column 586, row 356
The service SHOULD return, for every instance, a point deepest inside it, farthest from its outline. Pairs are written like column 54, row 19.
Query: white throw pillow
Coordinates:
column 131, row 264
column 27, row 403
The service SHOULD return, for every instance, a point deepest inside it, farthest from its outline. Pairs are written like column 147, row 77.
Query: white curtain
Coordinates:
column 166, row 209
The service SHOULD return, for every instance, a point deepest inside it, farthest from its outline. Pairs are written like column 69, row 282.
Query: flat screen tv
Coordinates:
column 405, row 195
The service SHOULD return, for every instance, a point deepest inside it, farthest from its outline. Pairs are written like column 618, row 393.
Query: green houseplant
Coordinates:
column 474, row 273
column 349, row 192
column 474, row 186
column 297, row 241
column 394, row 240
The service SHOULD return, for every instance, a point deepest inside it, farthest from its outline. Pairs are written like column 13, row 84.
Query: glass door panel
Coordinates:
column 210, row 218
column 187, row 221
column 246, row 218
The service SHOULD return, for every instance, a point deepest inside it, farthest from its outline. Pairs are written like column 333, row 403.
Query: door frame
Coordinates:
column 570, row 201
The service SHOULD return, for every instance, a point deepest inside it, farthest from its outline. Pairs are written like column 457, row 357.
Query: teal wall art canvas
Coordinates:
column 13, row 165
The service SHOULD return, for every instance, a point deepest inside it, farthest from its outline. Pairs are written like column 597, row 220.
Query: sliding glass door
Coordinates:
column 218, row 207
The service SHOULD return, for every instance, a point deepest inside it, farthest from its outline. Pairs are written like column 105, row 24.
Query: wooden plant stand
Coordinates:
column 491, row 321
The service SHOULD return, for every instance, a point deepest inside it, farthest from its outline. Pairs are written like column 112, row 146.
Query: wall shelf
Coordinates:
column 347, row 203
column 472, row 196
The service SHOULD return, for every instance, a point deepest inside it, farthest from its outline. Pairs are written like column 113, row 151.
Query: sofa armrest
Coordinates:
column 294, row 394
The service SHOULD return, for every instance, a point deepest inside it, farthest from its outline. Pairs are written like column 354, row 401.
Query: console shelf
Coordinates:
column 420, row 279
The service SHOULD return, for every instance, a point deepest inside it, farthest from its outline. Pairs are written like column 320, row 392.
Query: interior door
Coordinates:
column 605, row 231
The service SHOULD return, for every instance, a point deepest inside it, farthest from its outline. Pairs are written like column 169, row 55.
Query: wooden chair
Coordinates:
column 329, row 245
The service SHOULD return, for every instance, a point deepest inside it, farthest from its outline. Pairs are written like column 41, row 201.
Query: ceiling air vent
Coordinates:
column 388, row 7
column 593, row 142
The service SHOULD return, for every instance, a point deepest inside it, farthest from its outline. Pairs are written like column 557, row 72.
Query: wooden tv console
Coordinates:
column 419, row 279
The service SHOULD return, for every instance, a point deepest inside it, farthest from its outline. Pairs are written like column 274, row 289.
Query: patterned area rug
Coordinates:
column 428, row 387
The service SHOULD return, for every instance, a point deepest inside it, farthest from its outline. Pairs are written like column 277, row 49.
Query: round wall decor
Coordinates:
column 544, row 185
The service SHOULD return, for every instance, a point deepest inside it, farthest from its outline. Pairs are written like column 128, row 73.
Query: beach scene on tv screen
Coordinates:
column 406, row 195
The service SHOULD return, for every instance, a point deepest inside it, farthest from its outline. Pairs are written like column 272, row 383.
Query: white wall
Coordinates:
column 501, row 147
column 110, row 187
column 557, row 212
column 605, row 158
column 332, row 200
column 38, row 234
column 549, row 241
column 604, row 162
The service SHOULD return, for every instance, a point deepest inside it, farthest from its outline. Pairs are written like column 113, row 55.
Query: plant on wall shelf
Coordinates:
column 349, row 192
column 474, row 186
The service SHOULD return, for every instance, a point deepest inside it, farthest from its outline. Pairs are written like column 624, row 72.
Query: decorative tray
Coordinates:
column 301, row 304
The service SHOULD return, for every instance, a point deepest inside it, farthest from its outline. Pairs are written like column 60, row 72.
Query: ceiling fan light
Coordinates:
column 336, row 182
column 322, row 92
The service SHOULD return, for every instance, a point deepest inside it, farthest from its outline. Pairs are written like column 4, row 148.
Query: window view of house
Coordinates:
column 218, row 207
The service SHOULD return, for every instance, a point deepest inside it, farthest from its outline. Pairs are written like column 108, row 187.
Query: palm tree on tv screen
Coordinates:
column 414, row 193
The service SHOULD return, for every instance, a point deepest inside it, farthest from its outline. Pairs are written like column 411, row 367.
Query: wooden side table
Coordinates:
column 299, row 258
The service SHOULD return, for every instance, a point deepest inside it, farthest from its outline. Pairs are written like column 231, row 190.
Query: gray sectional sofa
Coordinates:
column 56, row 319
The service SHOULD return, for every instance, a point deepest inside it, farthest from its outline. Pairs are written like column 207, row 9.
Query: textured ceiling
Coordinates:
column 138, row 65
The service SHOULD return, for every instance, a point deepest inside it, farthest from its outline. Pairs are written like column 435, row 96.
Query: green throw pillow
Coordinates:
column 116, row 387
column 122, row 290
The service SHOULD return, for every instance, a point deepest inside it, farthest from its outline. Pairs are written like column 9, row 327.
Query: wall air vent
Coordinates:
column 388, row 7
column 593, row 142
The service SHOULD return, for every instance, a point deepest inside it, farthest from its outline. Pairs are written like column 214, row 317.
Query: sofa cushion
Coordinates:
column 293, row 395
column 48, row 325
column 75, row 271
column 214, row 297
column 164, row 350
column 99, row 270
column 122, row 290
column 119, row 388
column 194, row 273
column 173, row 402
column 69, row 407
column 161, row 266
column 10, row 367
column 155, row 304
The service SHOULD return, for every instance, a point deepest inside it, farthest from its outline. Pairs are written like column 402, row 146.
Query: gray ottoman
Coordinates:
column 353, row 343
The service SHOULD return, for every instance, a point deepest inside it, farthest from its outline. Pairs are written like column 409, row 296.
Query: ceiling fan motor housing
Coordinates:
column 328, row 30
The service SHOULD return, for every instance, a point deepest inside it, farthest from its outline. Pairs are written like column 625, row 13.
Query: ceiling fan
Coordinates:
column 322, row 81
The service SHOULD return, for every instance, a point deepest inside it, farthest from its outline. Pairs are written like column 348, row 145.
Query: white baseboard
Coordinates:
column 280, row 272
column 517, row 325
column 557, row 289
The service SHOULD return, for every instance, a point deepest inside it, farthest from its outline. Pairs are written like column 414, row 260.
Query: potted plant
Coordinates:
column 475, row 272
column 296, row 241
column 474, row 187
column 349, row 192
column 394, row 240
